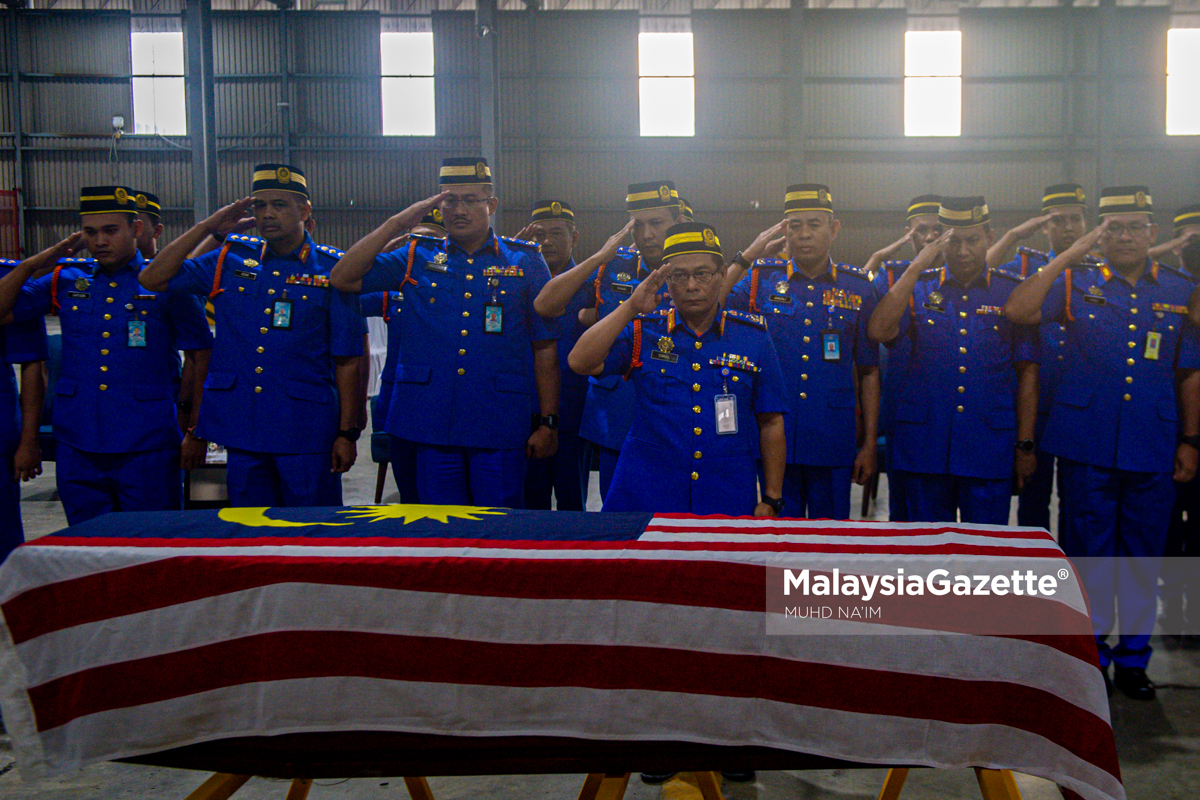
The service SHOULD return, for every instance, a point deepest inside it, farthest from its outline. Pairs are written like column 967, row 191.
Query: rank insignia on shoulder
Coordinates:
column 81, row 284
column 237, row 237
column 853, row 270
column 892, row 264
column 504, row 272
column 994, row 311
column 734, row 361
column 757, row 320
column 330, row 251
column 1173, row 309
column 320, row 281
column 523, row 243
column 1029, row 251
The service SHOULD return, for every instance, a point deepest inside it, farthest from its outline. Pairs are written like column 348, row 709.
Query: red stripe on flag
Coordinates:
column 299, row 655
column 876, row 529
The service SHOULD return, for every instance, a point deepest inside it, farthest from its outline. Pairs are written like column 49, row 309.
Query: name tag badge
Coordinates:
column 493, row 318
column 622, row 288
column 781, row 299
column 135, row 333
column 1153, row 342
column 281, row 315
column 79, row 295
column 831, row 346
column 436, row 267
column 247, row 274
column 1094, row 300
column 727, row 422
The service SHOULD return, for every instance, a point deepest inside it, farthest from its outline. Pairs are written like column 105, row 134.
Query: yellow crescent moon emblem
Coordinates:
column 257, row 518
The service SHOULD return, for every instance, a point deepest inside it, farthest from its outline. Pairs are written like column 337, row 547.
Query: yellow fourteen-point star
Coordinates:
column 412, row 513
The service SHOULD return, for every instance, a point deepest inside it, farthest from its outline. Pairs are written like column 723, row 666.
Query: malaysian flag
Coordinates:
column 136, row 633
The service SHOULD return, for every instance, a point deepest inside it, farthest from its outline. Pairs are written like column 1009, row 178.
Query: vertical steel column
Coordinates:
column 1107, row 50
column 489, row 102
column 284, row 104
column 201, row 106
column 794, row 62
column 14, row 65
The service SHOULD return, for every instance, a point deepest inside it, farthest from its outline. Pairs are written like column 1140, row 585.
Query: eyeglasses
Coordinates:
column 702, row 276
column 465, row 202
column 1134, row 229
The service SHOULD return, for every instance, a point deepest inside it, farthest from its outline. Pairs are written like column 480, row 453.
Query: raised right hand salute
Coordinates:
column 879, row 256
column 767, row 244
column 1000, row 251
column 884, row 325
column 587, row 358
column 556, row 295
column 1024, row 305
column 10, row 284
column 348, row 273
column 166, row 264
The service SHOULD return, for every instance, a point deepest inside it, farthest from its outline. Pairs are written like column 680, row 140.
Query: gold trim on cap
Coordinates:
column 683, row 238
column 1075, row 195
column 1141, row 200
column 804, row 195
column 277, row 175
column 471, row 171
column 1180, row 220
column 654, row 195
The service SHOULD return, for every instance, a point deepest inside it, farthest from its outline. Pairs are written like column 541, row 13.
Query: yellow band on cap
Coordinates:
column 566, row 212
column 273, row 175
column 963, row 216
column 94, row 198
column 1126, row 200
column 458, row 172
column 932, row 208
column 805, row 195
column 1056, row 195
column 684, row 238
column 1181, row 219
column 639, row 196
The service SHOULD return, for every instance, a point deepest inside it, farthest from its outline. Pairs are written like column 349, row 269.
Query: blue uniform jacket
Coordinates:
column 20, row 343
column 608, row 409
column 573, row 388
column 271, row 385
column 895, row 371
column 957, row 414
column 118, row 386
column 673, row 459
column 458, row 383
column 1116, row 406
column 820, row 330
column 389, row 306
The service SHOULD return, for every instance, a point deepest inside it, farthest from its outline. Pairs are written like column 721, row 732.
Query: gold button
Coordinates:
column 466, row 313
column 241, row 288
column 962, row 350
column 258, row 369
column 808, row 304
column 467, row 295
column 275, row 273
column 1130, row 361
column 695, row 367
column 262, row 330
column 1129, row 379
column 964, row 298
column 1132, row 345
column 113, row 284
column 804, row 357
column 470, row 261
column 105, row 334
column 962, row 331
column 803, row 395
column 108, row 316
column 806, row 340
column 432, row 299
column 804, row 376
column 695, row 476
column 810, row 287
column 434, row 285
column 696, row 431
column 808, row 322
column 962, row 314
column 270, row 291
column 259, row 348
column 258, row 390
column 74, row 308
column 1133, row 327
column 962, row 389
column 464, row 333
column 103, row 352
column 697, row 345
column 1060, row 358
column 462, row 371
column 104, row 368
column 103, row 387
column 696, row 454
column 1127, row 397
column 1133, row 311
column 470, row 277
column 962, row 369
column 735, row 377
column 959, row 409
column 108, row 299
column 303, row 297
column 696, row 409
column 462, row 352
column 1133, row 296
column 695, row 387
column 1091, row 316
column 266, row 311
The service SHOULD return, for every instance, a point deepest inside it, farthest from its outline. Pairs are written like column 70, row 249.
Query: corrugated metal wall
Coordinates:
column 569, row 115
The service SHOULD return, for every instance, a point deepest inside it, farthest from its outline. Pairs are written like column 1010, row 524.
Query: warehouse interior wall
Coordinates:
column 782, row 96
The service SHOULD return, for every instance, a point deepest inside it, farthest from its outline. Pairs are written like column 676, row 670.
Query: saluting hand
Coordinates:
column 895, row 246
column 1029, row 227
column 770, row 241
column 526, row 233
column 1084, row 244
column 225, row 220
column 609, row 250
column 645, row 297
column 930, row 252
column 409, row 217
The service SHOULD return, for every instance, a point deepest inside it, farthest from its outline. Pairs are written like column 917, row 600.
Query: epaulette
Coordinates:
column 75, row 260
column 1175, row 271
column 534, row 246
column 1001, row 271
column 330, row 251
column 853, row 270
column 658, row 313
column 770, row 262
column 900, row 264
column 1029, row 251
column 8, row 262
column 746, row 318
column 237, row 237
column 931, row 272
column 626, row 251
column 424, row 237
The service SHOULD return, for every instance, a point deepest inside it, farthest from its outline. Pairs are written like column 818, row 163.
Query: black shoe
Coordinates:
column 1134, row 684
column 656, row 778
column 1108, row 685
column 739, row 777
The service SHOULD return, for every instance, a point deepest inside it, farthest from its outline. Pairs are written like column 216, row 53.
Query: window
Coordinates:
column 1183, row 81
column 667, row 86
column 158, row 102
column 406, row 65
column 933, row 83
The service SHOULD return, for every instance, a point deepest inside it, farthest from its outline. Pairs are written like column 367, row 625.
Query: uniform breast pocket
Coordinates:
column 76, row 314
column 240, row 298
column 780, row 306
column 666, row 382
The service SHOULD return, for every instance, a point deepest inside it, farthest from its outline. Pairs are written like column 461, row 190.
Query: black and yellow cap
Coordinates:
column 1063, row 194
column 808, row 197
column 685, row 208
column 1188, row 215
column 691, row 237
column 279, row 177
column 552, row 209
column 1126, row 200
column 433, row 220
column 465, row 170
column 923, row 204
column 148, row 203
column 963, row 212
column 107, row 200
column 651, row 194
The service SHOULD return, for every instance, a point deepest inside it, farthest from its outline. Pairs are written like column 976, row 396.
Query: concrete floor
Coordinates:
column 1158, row 742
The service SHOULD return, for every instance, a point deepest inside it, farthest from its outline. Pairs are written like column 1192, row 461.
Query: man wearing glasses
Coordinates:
column 474, row 348
column 708, row 388
column 817, row 311
column 1131, row 386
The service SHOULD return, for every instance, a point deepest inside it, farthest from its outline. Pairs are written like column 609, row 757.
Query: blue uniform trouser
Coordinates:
column 471, row 476
column 1033, row 509
column 940, row 498
column 1119, row 520
column 11, row 532
column 1183, row 541
column 281, row 479
column 565, row 473
column 608, row 465
column 897, row 499
column 91, row 484
column 814, row 492
column 403, row 455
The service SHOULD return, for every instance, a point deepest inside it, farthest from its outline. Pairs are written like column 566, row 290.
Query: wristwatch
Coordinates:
column 1025, row 445
column 550, row 421
column 741, row 259
column 1193, row 440
column 350, row 434
column 774, row 502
